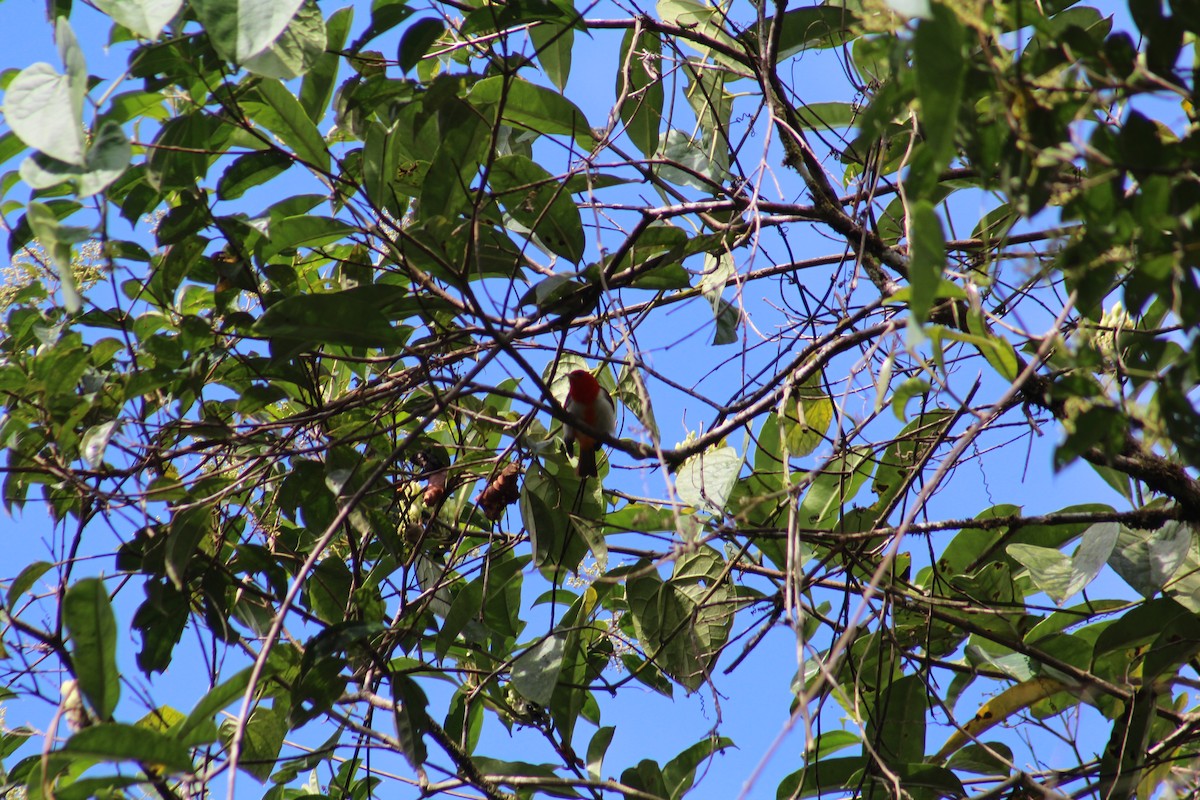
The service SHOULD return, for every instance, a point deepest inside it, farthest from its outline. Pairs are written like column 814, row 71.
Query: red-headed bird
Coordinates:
column 588, row 402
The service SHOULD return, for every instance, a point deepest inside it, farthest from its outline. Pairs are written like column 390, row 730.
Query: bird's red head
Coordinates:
column 584, row 386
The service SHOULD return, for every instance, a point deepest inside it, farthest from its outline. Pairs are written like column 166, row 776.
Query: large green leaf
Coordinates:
column 546, row 504
column 896, row 724
column 927, row 263
column 301, row 45
column 316, row 89
column 276, row 108
column 535, row 672
column 705, row 480
column 447, row 190
column 241, row 29
column 354, row 318
column 118, row 742
column 534, row 107
column 1148, row 560
column 45, row 108
column 1061, row 576
column 144, row 17
column 705, row 20
column 107, row 157
column 679, row 774
column 808, row 28
column 834, row 488
column 250, row 170
column 289, row 233
column 90, row 621
column 554, row 43
column 417, row 40
column 534, row 198
column 941, row 75
column 640, row 89
column 682, row 622
column 261, row 741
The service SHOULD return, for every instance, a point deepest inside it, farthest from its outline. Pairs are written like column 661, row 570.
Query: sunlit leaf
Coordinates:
column 88, row 615
column 705, row 480
column 241, row 29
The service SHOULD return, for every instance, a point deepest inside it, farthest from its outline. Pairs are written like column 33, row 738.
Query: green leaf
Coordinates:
column 412, row 720
column 808, row 415
column 896, row 725
column 834, row 488
column 301, row 45
column 997, row 350
column 646, row 777
column 704, row 19
column 1124, row 759
column 1060, row 576
column 910, row 388
column 446, row 190
column 535, row 672
column 385, row 15
column 640, row 88
column 679, row 774
column 25, row 581
column 305, row 230
column 989, row 758
column 705, row 480
column 1147, row 560
column 95, row 441
column 381, row 159
column 217, row 698
column 546, row 502
column 830, row 776
column 597, row 747
column 829, row 742
column 535, row 199
column 278, row 110
column 250, row 170
column 92, row 626
column 106, row 159
column 809, row 28
column 119, row 742
column 147, row 18
column 241, row 29
column 45, row 108
column 316, row 90
column 262, row 741
column 160, row 620
column 713, row 105
column 39, row 109
column 327, row 592
column 417, row 40
column 697, row 168
column 927, row 263
column 676, row 632
column 828, row 116
column 631, row 397
column 533, row 107
column 353, row 318
column 717, row 272
column 179, row 156
column 464, row 610
column 187, row 531
column 554, row 43
column 941, row 75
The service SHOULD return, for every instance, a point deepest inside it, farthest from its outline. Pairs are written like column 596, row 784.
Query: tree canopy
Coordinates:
column 287, row 323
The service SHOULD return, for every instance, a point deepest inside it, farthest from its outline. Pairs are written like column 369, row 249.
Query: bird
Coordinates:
column 588, row 402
